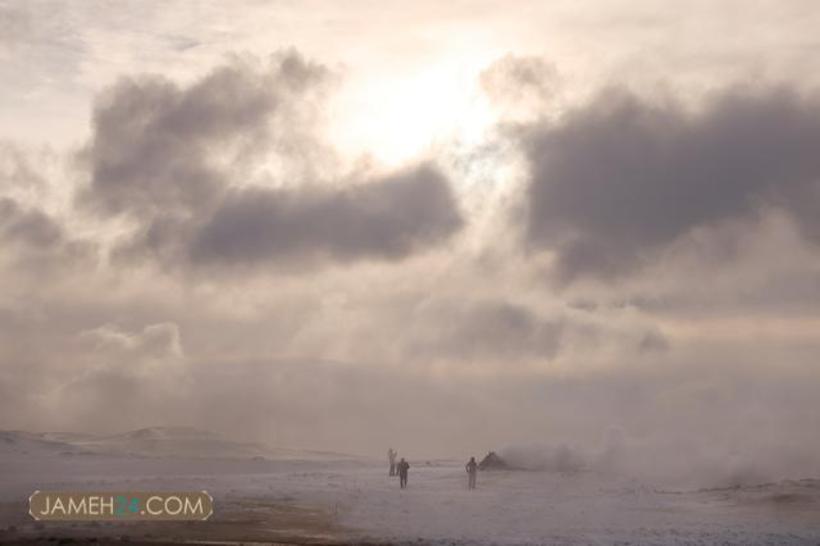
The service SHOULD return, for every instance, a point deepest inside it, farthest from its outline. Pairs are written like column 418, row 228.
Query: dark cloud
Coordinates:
column 386, row 218
column 29, row 227
column 158, row 147
column 36, row 244
column 176, row 161
column 620, row 179
column 36, row 241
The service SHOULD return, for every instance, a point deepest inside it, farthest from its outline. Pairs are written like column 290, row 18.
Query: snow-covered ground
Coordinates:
column 350, row 499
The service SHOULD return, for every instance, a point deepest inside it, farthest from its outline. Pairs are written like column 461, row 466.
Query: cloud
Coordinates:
column 620, row 179
column 37, row 244
column 156, row 342
column 462, row 351
column 14, row 26
column 179, row 162
column 492, row 329
column 681, row 424
column 139, row 372
column 158, row 147
column 520, row 86
column 387, row 218
column 31, row 227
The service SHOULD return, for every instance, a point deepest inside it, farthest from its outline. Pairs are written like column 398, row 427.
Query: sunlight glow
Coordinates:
column 395, row 117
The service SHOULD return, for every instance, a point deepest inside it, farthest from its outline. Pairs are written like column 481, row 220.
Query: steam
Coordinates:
column 662, row 463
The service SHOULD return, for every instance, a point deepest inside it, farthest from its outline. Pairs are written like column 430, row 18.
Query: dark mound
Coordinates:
column 493, row 462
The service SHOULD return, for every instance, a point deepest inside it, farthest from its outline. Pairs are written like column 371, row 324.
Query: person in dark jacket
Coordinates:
column 404, row 466
column 472, row 471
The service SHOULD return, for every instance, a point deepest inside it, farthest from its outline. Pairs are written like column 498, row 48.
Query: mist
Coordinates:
column 585, row 239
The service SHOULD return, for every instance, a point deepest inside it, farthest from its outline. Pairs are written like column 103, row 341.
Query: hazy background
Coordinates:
column 591, row 227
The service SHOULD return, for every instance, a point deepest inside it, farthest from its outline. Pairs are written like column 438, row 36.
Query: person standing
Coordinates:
column 404, row 466
column 391, row 456
column 472, row 471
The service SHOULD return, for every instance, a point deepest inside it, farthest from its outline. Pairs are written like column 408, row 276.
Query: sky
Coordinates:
column 443, row 227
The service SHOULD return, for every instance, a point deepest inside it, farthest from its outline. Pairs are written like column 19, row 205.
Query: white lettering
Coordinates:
column 58, row 506
column 191, row 508
column 107, row 506
column 169, row 510
column 152, row 511
column 76, row 507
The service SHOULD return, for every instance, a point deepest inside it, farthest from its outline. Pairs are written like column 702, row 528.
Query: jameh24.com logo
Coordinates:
column 120, row 506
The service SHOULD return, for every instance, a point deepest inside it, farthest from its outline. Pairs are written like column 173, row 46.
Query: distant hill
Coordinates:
column 29, row 443
column 149, row 442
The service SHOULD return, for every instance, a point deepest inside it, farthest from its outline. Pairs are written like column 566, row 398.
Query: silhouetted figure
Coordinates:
column 391, row 456
column 404, row 466
column 472, row 471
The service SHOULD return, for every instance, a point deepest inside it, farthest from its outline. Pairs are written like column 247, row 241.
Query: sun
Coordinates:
column 394, row 117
